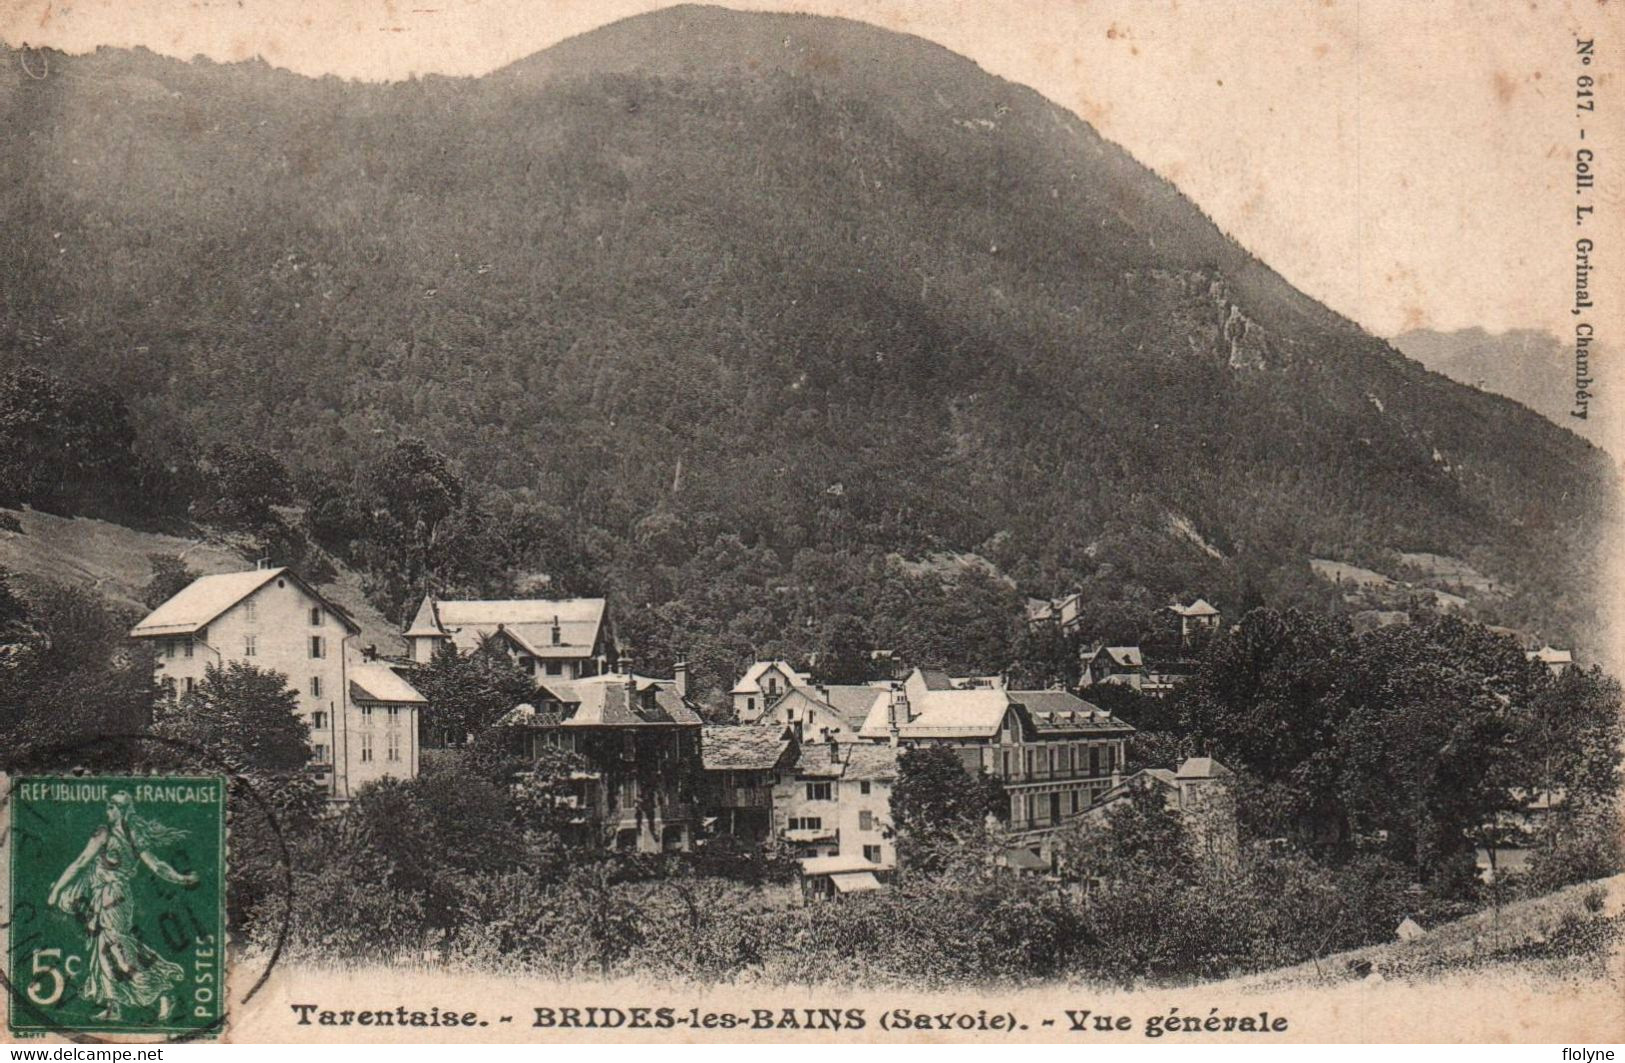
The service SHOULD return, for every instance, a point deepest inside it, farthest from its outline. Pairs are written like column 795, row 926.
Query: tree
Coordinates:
column 70, row 683
column 937, row 805
column 418, row 494
column 245, row 483
column 844, row 652
column 467, row 693
column 245, row 716
column 170, row 576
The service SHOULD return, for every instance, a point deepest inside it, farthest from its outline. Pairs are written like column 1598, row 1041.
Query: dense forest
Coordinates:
column 747, row 321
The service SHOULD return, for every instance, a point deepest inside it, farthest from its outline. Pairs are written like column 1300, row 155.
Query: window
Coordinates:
column 871, row 853
column 750, row 704
column 320, row 752
column 169, row 648
column 251, row 610
column 1111, row 758
column 318, row 646
column 366, row 715
column 394, row 715
column 315, row 686
column 366, row 747
column 188, row 647
column 818, row 791
column 866, row 820
column 318, row 720
column 1074, row 800
column 555, row 668
column 169, row 683
column 863, row 787
column 315, row 616
column 806, row 823
column 393, row 751
column 250, row 646
column 1015, row 808
column 1094, row 760
column 191, row 684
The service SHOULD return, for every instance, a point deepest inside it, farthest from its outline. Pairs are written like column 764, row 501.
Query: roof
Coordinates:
column 1550, row 655
column 426, row 622
column 835, row 865
column 821, row 760
column 870, row 762
column 849, row 704
column 1200, row 607
column 374, row 681
column 1124, row 656
column 935, row 678
column 1202, row 768
column 1025, row 860
column 529, row 621
column 855, row 881
column 750, row 682
column 612, row 700
column 1059, row 710
column 207, row 597
column 943, row 714
column 742, row 747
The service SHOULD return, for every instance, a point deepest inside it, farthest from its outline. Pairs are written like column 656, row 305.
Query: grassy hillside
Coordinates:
column 797, row 280
column 113, row 561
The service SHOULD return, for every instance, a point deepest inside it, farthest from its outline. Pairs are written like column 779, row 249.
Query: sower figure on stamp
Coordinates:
column 121, row 970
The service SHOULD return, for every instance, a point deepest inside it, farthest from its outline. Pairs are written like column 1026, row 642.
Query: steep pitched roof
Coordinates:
column 1200, row 607
column 426, row 622
column 750, row 682
column 869, row 762
column 849, row 704
column 1123, row 656
column 529, row 621
column 1202, row 768
column 742, row 747
column 205, row 598
column 617, row 700
column 378, row 682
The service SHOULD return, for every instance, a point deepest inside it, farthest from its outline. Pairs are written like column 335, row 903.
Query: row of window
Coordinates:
column 1027, row 809
column 824, row 791
column 866, row 821
column 1056, row 759
column 251, row 613
column 392, row 749
column 251, row 647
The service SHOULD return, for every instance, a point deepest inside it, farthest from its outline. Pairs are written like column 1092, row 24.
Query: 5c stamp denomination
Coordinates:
column 117, row 921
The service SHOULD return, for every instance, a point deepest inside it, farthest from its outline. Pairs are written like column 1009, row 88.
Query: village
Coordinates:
column 806, row 765
column 803, row 766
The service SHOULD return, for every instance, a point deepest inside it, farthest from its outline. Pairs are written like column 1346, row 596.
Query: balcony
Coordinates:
column 744, row 797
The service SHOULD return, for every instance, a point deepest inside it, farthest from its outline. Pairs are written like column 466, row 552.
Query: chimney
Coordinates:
column 557, row 633
column 679, row 673
column 899, row 713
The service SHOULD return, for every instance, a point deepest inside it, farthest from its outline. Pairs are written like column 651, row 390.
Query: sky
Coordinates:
column 1409, row 164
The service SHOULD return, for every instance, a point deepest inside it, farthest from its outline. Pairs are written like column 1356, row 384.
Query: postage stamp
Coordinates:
column 117, row 921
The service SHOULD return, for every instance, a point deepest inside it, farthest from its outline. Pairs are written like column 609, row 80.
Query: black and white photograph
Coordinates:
column 840, row 522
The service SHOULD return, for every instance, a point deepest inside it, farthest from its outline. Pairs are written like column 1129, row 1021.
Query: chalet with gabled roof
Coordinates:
column 551, row 638
column 641, row 740
column 362, row 714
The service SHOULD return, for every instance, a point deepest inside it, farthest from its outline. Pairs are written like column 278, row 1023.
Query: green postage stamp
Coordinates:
column 117, row 920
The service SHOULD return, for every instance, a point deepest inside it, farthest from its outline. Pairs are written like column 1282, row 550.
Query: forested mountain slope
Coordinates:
column 830, row 289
